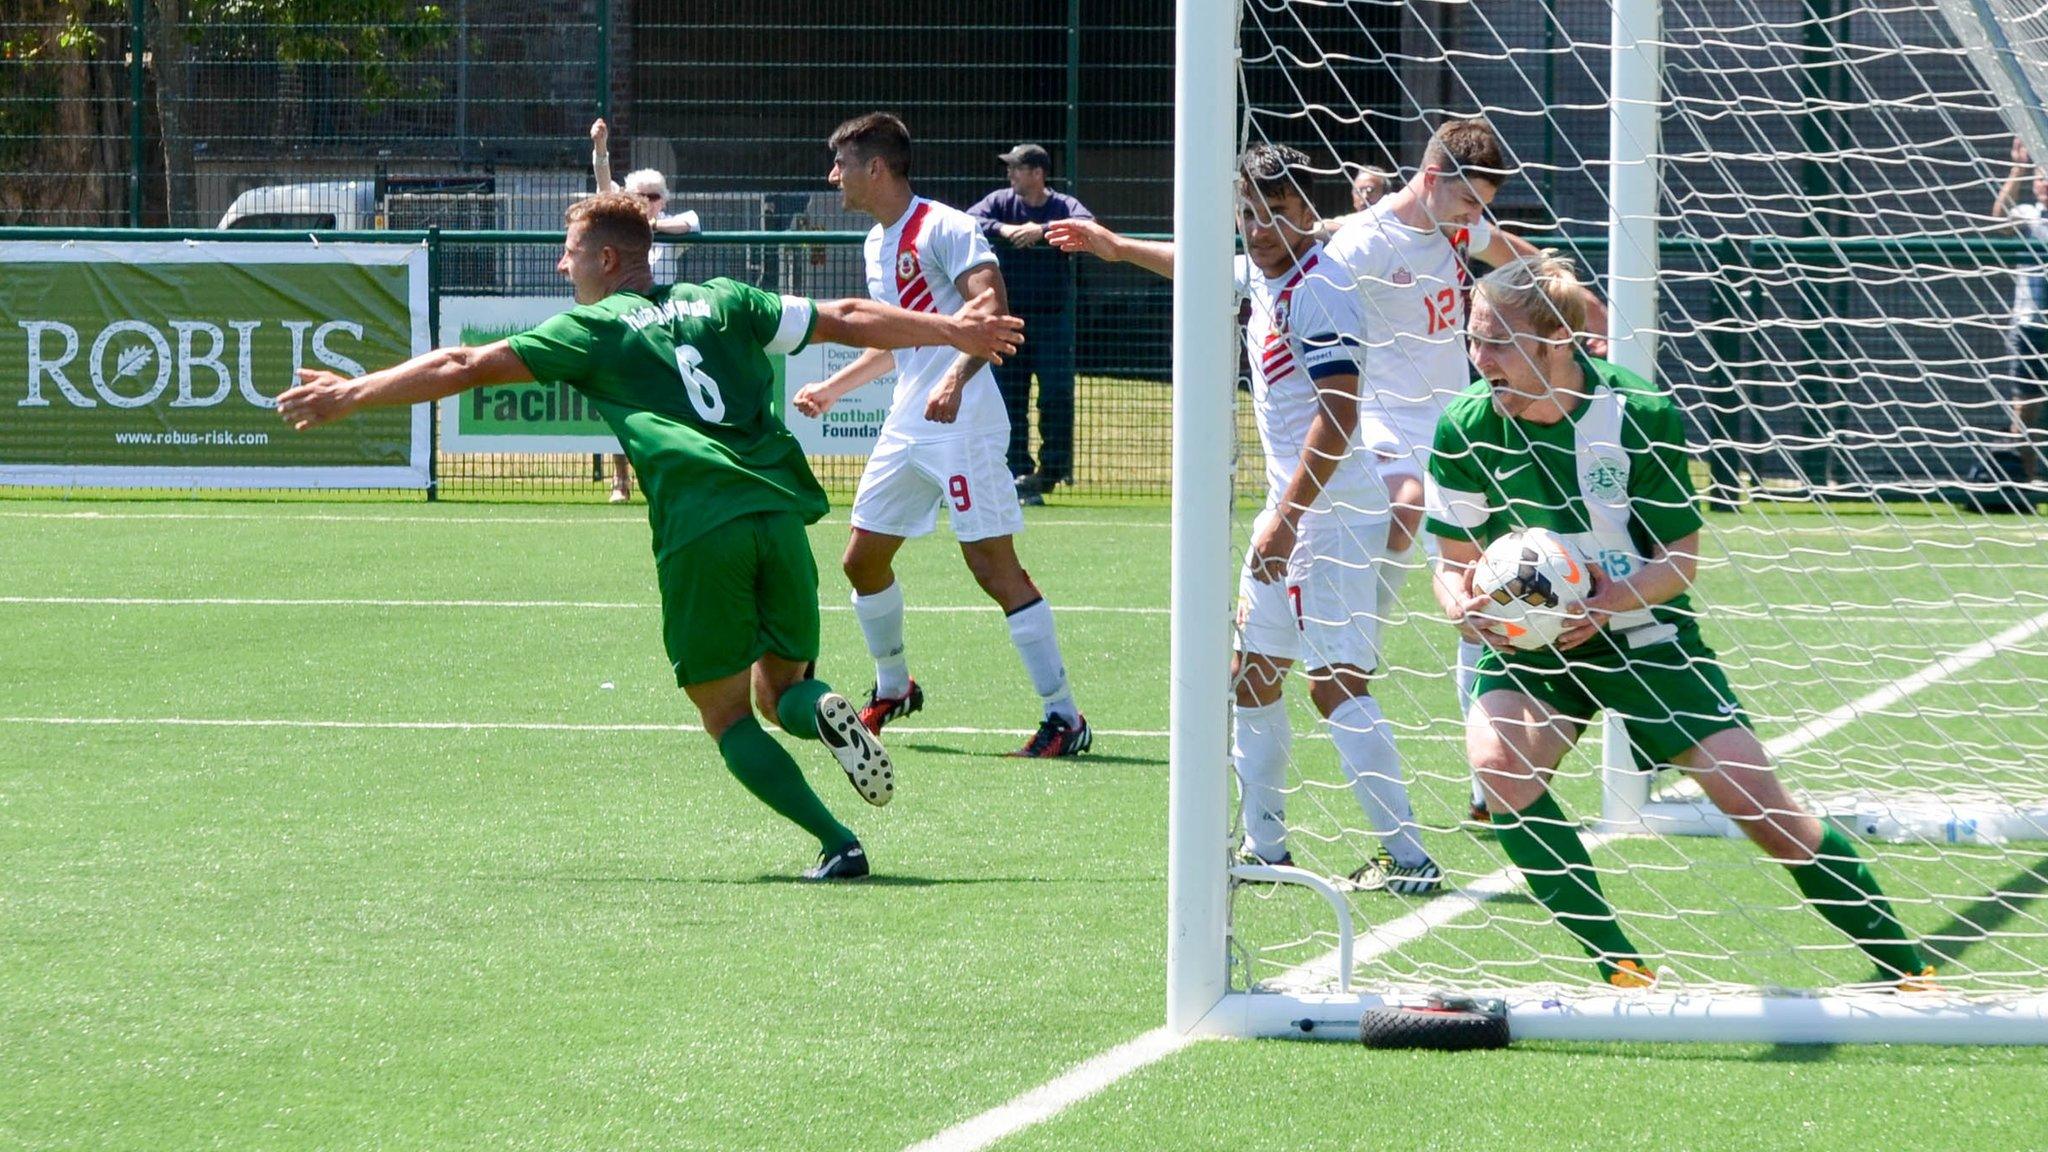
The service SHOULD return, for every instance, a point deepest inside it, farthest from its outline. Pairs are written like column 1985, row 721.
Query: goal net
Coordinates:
column 1788, row 206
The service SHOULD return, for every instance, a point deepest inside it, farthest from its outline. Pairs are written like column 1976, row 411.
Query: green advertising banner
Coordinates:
column 542, row 417
column 157, row 364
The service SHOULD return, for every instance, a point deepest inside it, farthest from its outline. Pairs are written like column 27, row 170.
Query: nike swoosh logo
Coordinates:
column 1502, row 475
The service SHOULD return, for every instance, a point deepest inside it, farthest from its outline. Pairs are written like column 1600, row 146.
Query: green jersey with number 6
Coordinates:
column 1611, row 477
column 682, row 375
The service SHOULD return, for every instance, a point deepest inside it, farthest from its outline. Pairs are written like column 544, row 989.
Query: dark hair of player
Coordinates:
column 613, row 219
column 1469, row 149
column 875, row 136
column 1274, row 168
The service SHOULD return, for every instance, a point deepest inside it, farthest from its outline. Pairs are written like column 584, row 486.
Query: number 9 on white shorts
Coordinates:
column 907, row 481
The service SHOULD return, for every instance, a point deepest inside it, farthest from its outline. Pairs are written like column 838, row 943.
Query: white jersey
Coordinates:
column 914, row 264
column 1412, row 287
column 2030, row 283
column 1304, row 326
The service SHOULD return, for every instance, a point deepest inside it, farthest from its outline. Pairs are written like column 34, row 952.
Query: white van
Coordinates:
column 332, row 205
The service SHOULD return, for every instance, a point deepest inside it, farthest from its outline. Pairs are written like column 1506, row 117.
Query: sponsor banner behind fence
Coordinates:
column 553, row 417
column 542, row 417
column 853, row 424
column 158, row 364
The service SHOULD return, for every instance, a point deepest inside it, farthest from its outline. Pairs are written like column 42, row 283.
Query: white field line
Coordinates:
column 347, row 602
column 1086, row 1079
column 1056, row 1095
column 429, row 520
column 494, row 725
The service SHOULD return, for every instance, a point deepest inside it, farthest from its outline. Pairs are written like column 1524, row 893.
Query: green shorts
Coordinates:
column 1671, row 695
column 743, row 590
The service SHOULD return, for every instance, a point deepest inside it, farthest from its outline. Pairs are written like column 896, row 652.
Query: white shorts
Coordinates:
column 1326, row 612
column 906, row 481
column 1414, row 429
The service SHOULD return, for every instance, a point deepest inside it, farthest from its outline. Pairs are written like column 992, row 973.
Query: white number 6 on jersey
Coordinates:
column 702, row 389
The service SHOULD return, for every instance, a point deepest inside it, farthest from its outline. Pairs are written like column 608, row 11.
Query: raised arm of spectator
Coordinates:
column 601, row 156
column 1077, row 235
column 2009, row 194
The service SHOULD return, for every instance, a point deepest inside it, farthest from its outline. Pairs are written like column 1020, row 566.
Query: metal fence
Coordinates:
column 163, row 112
column 1122, row 418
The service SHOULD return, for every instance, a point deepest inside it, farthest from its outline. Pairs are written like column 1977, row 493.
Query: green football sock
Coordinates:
column 1554, row 862
column 766, row 770
column 797, row 711
column 1840, row 887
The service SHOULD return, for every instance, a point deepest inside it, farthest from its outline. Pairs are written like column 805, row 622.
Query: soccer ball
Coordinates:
column 1535, row 579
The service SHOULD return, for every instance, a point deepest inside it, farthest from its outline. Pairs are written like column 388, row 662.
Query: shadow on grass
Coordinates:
column 884, row 880
column 979, row 754
column 1973, row 925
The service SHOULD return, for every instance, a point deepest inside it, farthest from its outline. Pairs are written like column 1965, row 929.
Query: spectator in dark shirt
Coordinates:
column 1041, row 282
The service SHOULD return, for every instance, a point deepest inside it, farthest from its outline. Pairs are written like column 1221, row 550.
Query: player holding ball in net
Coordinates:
column 1549, row 438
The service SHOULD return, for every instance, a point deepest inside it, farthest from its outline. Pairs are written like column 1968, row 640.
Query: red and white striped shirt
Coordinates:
column 914, row 263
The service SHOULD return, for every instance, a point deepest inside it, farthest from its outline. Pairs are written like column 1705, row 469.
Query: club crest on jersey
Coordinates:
column 1606, row 478
column 1403, row 278
column 1280, row 309
column 906, row 265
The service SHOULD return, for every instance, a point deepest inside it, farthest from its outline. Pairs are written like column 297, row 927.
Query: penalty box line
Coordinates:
column 1093, row 1076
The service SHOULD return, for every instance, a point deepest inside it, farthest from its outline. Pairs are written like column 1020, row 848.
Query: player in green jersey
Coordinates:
column 682, row 375
column 1551, row 438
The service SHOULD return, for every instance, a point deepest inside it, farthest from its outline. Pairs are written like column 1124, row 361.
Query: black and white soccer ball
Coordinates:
column 1535, row 581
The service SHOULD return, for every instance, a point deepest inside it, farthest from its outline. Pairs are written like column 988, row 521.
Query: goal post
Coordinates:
column 1789, row 219
column 1205, row 374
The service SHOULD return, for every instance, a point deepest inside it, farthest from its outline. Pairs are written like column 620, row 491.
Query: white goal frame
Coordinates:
column 1199, row 999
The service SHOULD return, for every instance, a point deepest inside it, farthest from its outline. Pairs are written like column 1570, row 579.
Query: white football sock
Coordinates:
column 1467, row 675
column 1394, row 569
column 1032, row 632
column 881, row 623
column 1365, row 747
column 1259, row 748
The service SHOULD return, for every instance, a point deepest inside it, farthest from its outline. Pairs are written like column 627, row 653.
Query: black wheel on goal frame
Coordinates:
column 1439, row 1028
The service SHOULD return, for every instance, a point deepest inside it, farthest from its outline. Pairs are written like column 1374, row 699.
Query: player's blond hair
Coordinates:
column 1542, row 291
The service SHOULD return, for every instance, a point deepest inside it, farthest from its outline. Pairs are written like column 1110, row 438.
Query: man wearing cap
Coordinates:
column 1041, row 281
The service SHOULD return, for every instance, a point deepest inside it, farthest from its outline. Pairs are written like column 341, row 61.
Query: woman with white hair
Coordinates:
column 651, row 188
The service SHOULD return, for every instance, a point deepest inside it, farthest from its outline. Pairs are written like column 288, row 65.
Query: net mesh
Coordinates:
column 1837, row 303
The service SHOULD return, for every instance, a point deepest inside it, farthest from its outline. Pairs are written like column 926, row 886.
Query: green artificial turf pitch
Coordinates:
column 449, row 870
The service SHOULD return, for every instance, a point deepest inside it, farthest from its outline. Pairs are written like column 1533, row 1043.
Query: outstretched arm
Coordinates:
column 982, row 329
column 814, row 400
column 1075, row 235
column 323, row 397
column 1506, row 246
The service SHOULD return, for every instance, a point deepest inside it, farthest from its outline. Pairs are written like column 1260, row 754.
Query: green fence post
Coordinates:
column 1724, row 459
column 1072, row 160
column 433, row 338
column 604, row 59
column 135, row 42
